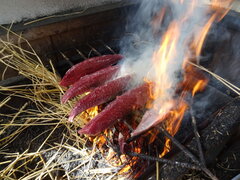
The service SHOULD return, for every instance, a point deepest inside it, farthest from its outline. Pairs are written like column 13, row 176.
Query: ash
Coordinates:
column 80, row 164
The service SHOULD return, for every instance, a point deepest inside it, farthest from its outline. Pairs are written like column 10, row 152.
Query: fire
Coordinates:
column 202, row 35
column 200, row 85
column 173, row 124
column 221, row 7
column 170, row 104
column 217, row 6
column 93, row 111
column 89, row 114
column 162, row 59
column 178, row 46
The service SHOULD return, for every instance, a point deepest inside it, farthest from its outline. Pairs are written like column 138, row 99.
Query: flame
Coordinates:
column 167, row 97
column 162, row 59
column 153, row 134
column 92, row 111
column 199, row 86
column 173, row 124
column 130, row 163
column 221, row 7
column 202, row 35
column 89, row 114
column 110, row 154
column 170, row 108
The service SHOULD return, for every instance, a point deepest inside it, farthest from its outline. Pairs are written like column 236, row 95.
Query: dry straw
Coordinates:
column 42, row 108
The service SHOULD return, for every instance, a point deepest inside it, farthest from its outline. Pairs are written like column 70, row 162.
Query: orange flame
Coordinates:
column 162, row 59
column 173, row 124
column 202, row 35
column 165, row 57
column 200, row 85
column 89, row 114
column 162, row 97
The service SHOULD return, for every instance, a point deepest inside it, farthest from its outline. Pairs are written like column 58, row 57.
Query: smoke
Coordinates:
column 161, row 37
column 222, row 52
column 226, row 62
column 145, row 35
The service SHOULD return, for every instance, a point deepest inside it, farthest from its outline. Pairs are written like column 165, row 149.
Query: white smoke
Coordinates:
column 146, row 31
column 143, row 41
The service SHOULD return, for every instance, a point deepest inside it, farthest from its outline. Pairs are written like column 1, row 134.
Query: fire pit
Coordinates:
column 202, row 142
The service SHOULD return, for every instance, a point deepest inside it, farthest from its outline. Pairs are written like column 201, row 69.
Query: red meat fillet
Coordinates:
column 88, row 82
column 118, row 109
column 87, row 67
column 100, row 95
